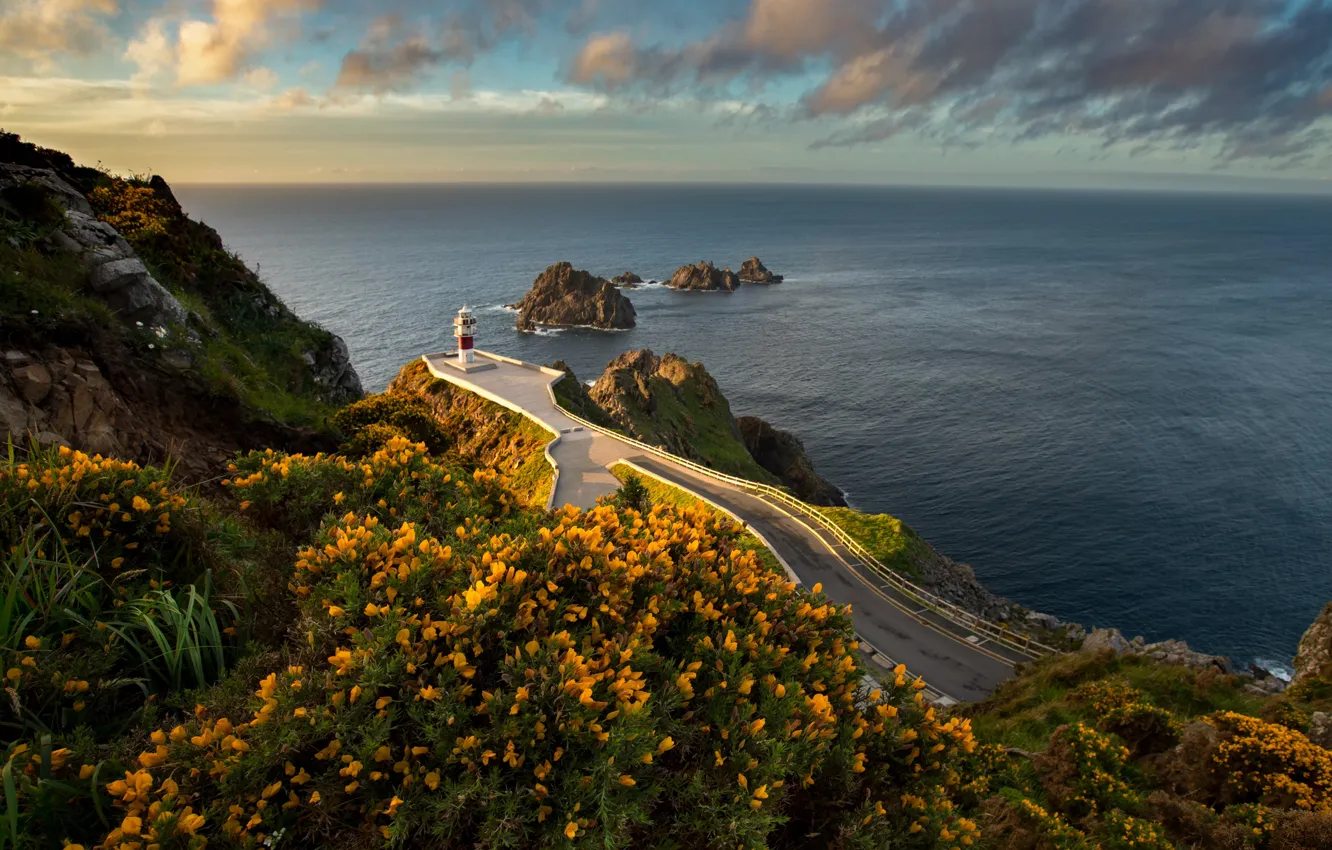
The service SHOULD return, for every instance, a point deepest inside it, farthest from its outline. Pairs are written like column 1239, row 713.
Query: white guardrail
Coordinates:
column 1015, row 641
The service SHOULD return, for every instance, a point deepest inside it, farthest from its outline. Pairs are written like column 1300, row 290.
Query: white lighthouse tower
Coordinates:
column 464, row 328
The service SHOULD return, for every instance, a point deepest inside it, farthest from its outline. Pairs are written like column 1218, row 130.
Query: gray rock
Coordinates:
column 68, row 197
column 1320, row 729
column 1043, row 621
column 13, row 416
column 177, row 360
column 51, row 438
column 34, row 381
column 1110, row 639
column 147, row 301
column 117, row 274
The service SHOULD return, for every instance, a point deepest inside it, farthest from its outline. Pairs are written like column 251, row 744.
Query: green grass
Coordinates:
column 1026, row 710
column 662, row 493
column 50, row 285
column 886, row 537
column 573, row 397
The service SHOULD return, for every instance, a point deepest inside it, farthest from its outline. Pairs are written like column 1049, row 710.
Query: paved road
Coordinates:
column 928, row 644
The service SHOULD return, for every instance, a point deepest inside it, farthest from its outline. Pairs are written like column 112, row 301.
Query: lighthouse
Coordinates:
column 464, row 328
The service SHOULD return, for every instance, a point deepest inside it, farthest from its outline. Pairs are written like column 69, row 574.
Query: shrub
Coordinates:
column 1120, row 831
column 1260, row 762
column 132, row 208
column 1083, row 772
column 371, row 422
column 98, row 603
column 634, row 494
column 601, row 678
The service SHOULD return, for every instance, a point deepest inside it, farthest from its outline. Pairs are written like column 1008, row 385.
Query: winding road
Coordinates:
column 957, row 663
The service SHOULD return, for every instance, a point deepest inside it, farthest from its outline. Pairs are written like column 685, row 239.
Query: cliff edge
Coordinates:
column 128, row 329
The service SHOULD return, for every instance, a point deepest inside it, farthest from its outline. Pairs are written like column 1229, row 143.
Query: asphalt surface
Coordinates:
column 949, row 663
column 929, row 644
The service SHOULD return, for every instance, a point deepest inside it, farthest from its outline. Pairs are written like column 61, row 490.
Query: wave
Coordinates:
column 502, row 308
column 1277, row 668
column 541, row 330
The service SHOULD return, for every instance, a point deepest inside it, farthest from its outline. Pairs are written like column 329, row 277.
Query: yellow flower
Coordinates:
column 627, row 781
column 32, row 642
column 571, row 830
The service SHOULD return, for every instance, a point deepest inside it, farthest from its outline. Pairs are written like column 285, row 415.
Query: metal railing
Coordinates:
column 997, row 632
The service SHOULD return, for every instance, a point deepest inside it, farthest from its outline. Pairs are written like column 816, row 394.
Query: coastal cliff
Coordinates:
column 127, row 328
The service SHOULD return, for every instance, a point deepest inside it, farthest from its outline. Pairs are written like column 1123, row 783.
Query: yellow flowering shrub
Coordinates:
column 601, row 678
column 100, row 557
column 1260, row 762
column 1126, row 712
column 1084, row 772
column 132, row 208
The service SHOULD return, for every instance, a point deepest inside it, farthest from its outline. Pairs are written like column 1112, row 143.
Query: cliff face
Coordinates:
column 782, row 454
column 127, row 328
column 564, row 296
column 1313, row 659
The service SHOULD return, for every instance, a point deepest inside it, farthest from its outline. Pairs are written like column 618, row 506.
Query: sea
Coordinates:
column 1116, row 406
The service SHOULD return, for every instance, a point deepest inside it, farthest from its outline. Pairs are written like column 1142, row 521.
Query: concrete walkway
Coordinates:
column 955, row 662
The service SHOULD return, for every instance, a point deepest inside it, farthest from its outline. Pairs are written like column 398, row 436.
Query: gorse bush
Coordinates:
column 373, row 421
column 466, row 672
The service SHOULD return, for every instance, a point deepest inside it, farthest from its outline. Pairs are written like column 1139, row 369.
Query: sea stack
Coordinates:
column 628, row 280
column 704, row 277
column 563, row 296
column 753, row 271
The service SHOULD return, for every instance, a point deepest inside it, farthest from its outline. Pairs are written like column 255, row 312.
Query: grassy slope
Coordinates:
column 485, row 433
column 251, row 348
column 886, row 537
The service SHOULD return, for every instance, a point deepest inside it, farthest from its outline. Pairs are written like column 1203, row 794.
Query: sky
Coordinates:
column 1227, row 94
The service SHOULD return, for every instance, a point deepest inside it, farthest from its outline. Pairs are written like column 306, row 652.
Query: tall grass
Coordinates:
column 176, row 636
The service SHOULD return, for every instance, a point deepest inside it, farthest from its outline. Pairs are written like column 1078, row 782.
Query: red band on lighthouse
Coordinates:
column 465, row 343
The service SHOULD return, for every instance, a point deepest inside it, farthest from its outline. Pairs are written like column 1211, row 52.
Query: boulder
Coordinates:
column 562, row 296
column 704, row 277
column 1178, row 652
column 1111, row 639
column 1313, row 658
column 781, row 453
column 753, row 271
column 34, row 381
column 117, row 274
column 332, row 368
column 627, row 279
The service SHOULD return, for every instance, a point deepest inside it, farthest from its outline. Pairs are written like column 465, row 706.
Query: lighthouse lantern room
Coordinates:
column 464, row 328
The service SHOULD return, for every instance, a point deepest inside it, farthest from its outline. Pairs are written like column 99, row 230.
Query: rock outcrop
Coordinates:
column 670, row 402
column 1314, row 656
column 113, row 363
column 115, row 272
column 753, row 271
column 781, row 453
column 628, row 280
column 562, row 296
column 94, row 394
column 704, row 277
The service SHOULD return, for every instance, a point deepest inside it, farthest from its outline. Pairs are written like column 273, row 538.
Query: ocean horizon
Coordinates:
column 1113, row 404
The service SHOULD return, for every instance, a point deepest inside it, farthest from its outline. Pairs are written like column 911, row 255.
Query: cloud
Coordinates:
column 608, row 59
column 548, row 106
column 207, row 52
column 460, row 85
column 388, row 59
column 264, row 79
column 1247, row 78
column 216, row 51
column 38, row 29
